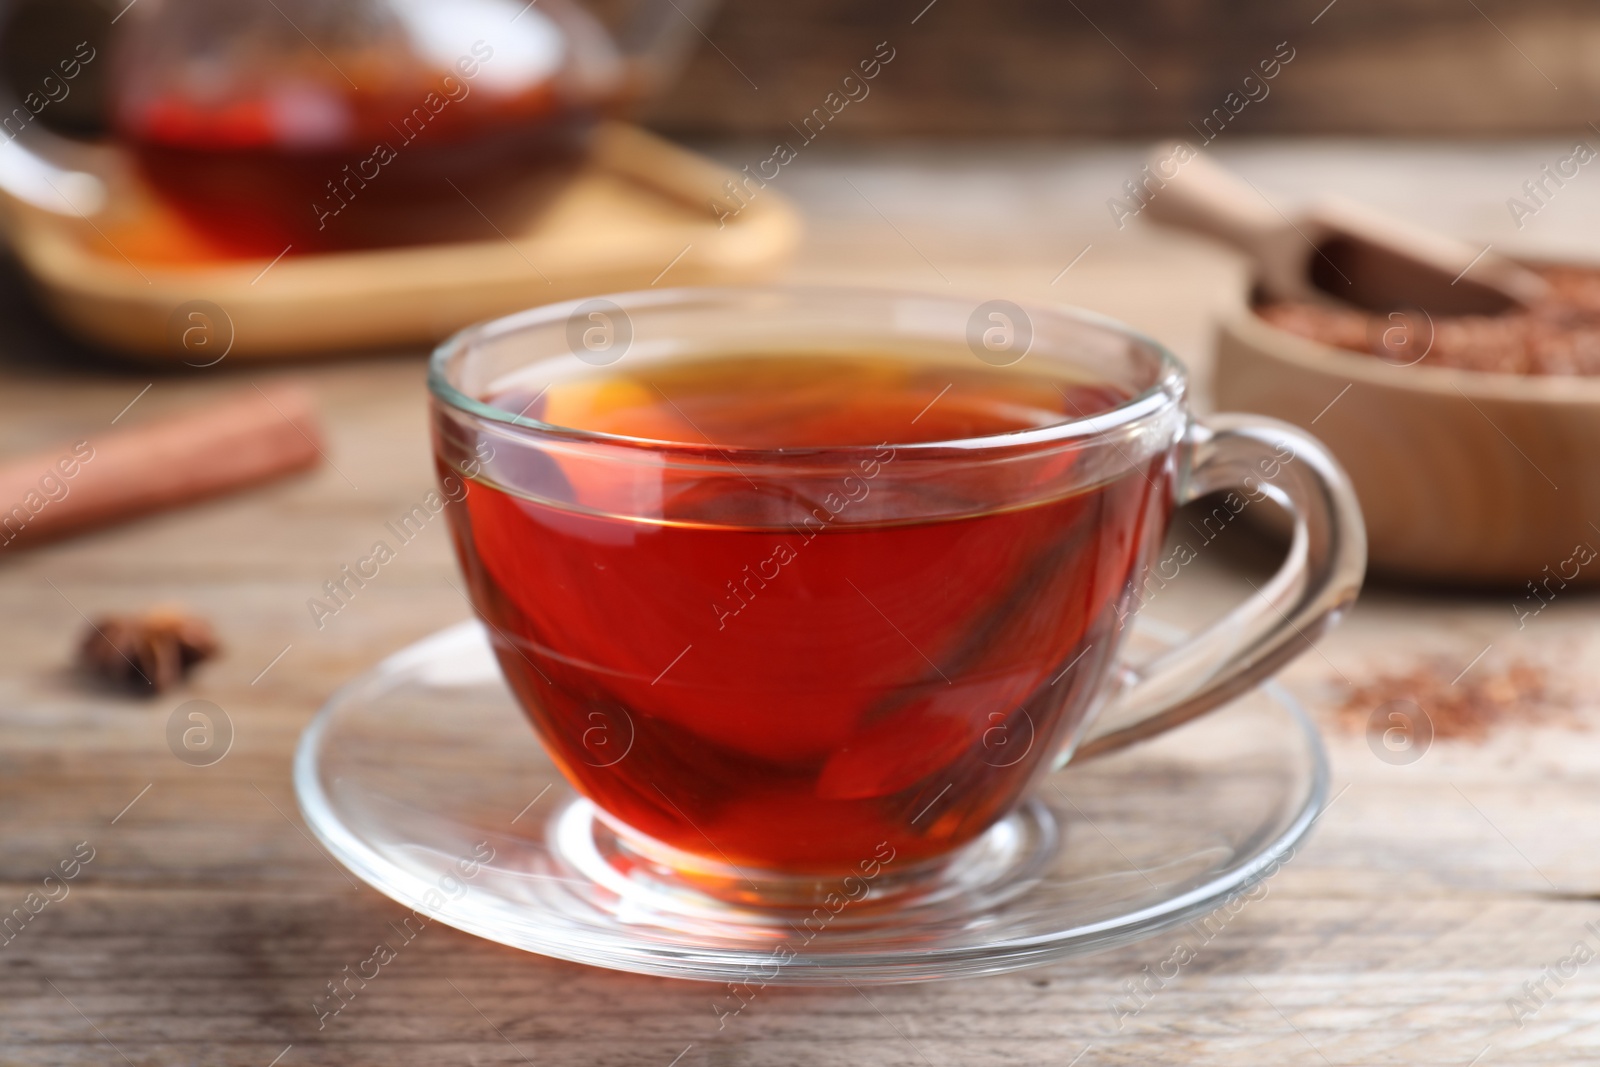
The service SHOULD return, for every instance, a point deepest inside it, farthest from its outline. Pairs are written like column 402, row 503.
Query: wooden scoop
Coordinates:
column 1337, row 249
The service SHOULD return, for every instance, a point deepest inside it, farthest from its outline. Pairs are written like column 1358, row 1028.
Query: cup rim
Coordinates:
column 1166, row 392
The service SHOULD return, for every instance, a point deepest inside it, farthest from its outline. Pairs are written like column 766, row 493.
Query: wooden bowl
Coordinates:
column 1464, row 477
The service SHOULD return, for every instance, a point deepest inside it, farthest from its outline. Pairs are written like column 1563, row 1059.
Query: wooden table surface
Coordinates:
column 207, row 921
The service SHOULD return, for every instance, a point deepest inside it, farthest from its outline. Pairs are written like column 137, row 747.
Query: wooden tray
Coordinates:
column 637, row 214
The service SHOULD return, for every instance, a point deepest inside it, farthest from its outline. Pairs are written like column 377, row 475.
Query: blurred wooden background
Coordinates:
column 1149, row 67
column 1096, row 68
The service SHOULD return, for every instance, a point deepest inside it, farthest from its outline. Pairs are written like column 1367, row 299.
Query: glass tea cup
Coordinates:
column 799, row 583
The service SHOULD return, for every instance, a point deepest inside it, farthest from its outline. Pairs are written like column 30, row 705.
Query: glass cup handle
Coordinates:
column 1257, row 458
column 30, row 172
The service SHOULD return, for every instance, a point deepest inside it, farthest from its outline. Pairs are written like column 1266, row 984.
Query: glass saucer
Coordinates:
column 424, row 778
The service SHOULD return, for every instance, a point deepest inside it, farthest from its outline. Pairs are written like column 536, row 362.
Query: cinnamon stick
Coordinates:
column 106, row 477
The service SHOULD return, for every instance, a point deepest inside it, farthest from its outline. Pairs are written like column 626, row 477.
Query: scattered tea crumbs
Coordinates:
column 1468, row 709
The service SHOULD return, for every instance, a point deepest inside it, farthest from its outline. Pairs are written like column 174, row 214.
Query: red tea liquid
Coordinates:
column 389, row 184
column 789, row 693
column 369, row 146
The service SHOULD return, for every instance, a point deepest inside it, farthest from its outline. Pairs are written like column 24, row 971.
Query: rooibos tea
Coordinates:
column 785, row 677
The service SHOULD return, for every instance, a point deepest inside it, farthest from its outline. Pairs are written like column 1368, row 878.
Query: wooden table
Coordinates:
column 207, row 921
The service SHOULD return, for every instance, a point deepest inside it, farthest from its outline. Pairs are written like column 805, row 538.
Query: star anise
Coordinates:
column 148, row 653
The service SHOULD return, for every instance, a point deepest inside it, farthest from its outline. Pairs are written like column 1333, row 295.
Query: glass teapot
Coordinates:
column 307, row 125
